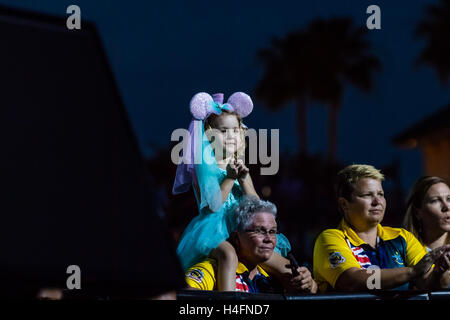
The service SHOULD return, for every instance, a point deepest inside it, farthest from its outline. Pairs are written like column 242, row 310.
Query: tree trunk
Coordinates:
column 301, row 127
column 333, row 120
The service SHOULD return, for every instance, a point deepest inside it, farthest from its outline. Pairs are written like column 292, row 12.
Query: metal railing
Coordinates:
column 376, row 295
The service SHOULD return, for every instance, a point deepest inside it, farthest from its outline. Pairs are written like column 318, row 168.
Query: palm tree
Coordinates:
column 436, row 27
column 315, row 64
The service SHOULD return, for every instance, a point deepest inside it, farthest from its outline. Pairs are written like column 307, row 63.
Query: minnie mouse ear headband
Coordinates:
column 203, row 105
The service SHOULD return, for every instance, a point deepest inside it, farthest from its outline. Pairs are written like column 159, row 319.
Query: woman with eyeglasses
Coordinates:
column 254, row 239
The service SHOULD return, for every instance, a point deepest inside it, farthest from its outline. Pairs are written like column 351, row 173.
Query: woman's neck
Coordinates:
column 369, row 236
column 434, row 239
column 367, row 233
column 250, row 265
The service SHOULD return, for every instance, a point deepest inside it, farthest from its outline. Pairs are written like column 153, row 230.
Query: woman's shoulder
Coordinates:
column 330, row 235
column 389, row 233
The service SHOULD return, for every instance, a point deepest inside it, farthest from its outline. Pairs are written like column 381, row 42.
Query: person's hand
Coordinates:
column 242, row 170
column 443, row 262
column 425, row 264
column 232, row 170
column 443, row 268
column 304, row 281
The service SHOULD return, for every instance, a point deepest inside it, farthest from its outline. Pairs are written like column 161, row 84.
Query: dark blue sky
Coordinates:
column 163, row 52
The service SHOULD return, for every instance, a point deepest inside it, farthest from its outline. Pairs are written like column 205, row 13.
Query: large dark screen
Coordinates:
column 74, row 189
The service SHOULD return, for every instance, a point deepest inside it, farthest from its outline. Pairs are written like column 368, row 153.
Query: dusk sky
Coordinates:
column 163, row 52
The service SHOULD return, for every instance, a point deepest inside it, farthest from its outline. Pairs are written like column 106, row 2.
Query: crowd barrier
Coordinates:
column 376, row 295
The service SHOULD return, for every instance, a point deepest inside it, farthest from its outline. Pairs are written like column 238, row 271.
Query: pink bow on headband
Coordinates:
column 202, row 104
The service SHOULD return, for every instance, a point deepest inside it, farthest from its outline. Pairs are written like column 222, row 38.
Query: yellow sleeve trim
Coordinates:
column 332, row 256
column 414, row 249
column 202, row 275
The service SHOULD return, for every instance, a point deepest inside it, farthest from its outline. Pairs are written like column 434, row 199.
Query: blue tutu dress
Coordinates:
column 207, row 230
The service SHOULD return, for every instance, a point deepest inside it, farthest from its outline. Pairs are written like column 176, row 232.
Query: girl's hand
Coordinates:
column 232, row 170
column 242, row 170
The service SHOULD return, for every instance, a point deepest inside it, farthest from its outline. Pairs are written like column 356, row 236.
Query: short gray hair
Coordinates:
column 247, row 208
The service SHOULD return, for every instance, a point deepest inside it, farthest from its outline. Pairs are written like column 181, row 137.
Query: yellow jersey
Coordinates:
column 203, row 276
column 337, row 250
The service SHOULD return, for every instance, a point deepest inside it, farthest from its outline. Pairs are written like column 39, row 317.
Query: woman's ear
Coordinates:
column 416, row 213
column 234, row 239
column 343, row 204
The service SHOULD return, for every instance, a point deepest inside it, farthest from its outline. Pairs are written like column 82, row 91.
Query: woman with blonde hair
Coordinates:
column 344, row 257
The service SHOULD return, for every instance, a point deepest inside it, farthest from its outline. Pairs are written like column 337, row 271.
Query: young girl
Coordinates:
column 213, row 165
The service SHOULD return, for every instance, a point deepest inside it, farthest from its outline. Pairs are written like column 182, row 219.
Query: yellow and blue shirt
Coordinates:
column 203, row 276
column 337, row 250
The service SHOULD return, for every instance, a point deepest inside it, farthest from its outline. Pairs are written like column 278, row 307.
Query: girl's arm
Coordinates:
column 225, row 186
column 247, row 186
column 245, row 180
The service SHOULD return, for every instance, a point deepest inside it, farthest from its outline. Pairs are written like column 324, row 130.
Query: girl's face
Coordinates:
column 435, row 210
column 227, row 133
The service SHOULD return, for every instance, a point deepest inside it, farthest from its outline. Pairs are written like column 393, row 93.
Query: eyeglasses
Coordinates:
column 262, row 232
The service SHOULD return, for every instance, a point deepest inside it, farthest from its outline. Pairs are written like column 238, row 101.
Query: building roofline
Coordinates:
column 438, row 120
